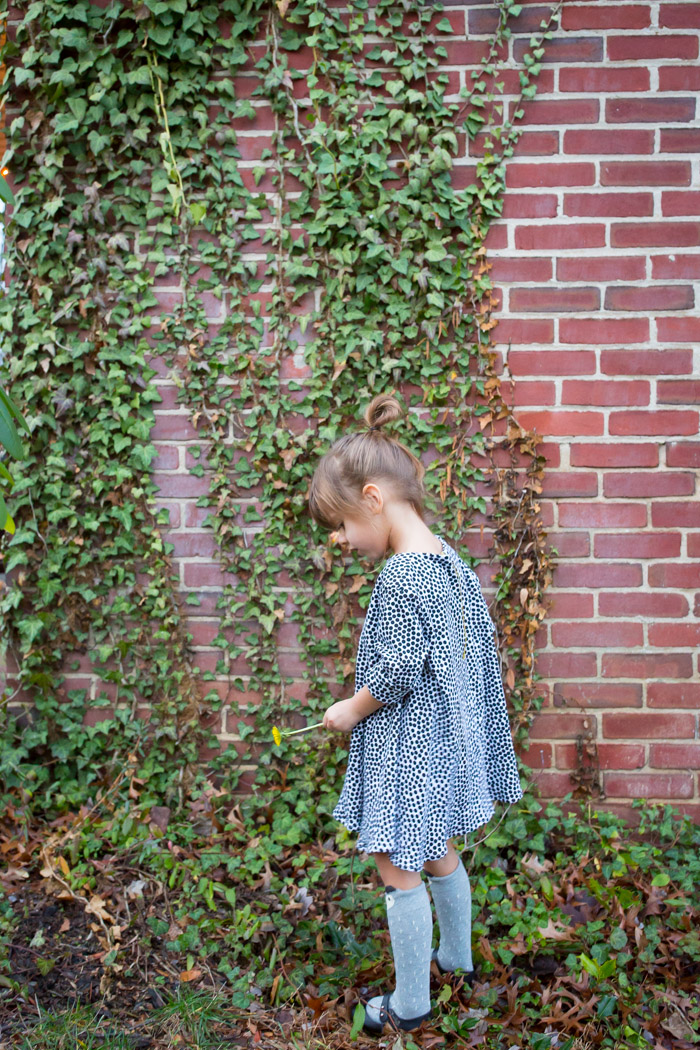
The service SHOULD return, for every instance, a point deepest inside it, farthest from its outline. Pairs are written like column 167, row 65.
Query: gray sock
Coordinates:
column 411, row 929
column 452, row 897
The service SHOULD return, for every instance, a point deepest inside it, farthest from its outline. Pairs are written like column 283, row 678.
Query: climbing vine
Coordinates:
column 122, row 129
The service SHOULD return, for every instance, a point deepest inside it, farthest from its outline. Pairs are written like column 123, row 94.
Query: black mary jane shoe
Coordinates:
column 387, row 1014
column 469, row 975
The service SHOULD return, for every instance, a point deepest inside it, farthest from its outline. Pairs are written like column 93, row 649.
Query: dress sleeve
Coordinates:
column 401, row 641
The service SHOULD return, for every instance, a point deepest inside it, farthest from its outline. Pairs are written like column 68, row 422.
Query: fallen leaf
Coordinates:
column 532, row 862
column 96, row 906
column 554, row 932
column 190, row 975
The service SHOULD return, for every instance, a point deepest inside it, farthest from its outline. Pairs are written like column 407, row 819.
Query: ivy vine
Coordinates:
column 126, row 160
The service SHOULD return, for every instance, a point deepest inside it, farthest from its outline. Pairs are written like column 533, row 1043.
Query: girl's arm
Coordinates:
column 345, row 714
column 363, row 703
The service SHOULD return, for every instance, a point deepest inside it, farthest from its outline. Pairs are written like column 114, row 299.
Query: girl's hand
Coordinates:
column 342, row 716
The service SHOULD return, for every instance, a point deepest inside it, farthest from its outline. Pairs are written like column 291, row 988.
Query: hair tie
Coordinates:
column 374, row 428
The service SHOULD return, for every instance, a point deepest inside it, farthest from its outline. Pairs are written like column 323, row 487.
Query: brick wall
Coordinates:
column 596, row 259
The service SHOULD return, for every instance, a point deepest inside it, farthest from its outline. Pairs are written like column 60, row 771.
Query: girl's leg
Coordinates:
column 445, row 865
column 451, row 893
column 411, row 930
column 397, row 878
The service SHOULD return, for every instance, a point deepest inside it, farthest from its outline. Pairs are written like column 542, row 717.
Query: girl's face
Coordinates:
column 364, row 535
column 367, row 531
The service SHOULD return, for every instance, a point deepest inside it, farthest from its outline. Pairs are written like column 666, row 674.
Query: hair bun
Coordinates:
column 382, row 409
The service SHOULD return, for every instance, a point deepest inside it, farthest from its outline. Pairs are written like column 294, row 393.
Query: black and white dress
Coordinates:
column 430, row 762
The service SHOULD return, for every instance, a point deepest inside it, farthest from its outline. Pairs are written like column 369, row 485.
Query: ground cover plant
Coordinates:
column 132, row 932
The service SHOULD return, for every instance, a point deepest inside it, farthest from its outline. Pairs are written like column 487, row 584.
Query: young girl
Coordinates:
column 431, row 746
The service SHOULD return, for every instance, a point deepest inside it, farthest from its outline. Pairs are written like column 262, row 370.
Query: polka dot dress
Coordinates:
column 430, row 762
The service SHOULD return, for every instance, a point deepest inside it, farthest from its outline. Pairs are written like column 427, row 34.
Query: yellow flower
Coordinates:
column 453, row 375
column 276, row 735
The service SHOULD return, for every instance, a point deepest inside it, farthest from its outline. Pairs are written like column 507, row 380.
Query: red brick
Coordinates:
column 538, row 300
column 620, row 756
column 571, row 485
column 604, row 204
column 611, row 756
column 673, row 694
column 566, row 756
column 680, row 140
column 649, row 110
column 175, row 426
column 608, row 515
column 603, row 392
column 530, row 206
column 510, row 78
column 638, row 603
column 660, row 421
column 576, row 174
column 647, row 484
column 251, row 147
column 459, row 52
column 637, row 545
column 679, row 329
column 573, row 604
column 553, row 236
column 609, row 140
column 555, row 726
column 617, row 455
column 455, row 18
column 674, row 756
column 676, row 202
column 537, row 144
column 646, row 362
column 683, row 454
column 645, row 173
column 484, row 21
column 173, row 510
column 648, row 725
column 534, row 393
column 510, row 269
column 517, row 331
column 624, row 48
column 557, row 111
column 646, row 665
column 553, row 363
column 680, row 16
column 604, row 16
column 562, row 423
column 568, row 49
column 167, row 458
column 649, row 785
column 678, row 266
column 599, row 79
column 553, row 785
column 655, row 234
column 679, row 78
column 497, row 237
column 676, row 515
column 597, row 694
column 604, row 330
column 611, row 268
column 539, row 755
column 652, row 297
column 678, row 391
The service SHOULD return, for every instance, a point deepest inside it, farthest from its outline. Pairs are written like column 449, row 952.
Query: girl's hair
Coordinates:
column 363, row 456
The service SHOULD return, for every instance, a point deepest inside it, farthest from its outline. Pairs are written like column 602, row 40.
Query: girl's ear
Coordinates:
column 372, row 495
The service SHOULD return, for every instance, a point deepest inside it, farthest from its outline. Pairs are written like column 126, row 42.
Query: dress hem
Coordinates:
column 455, row 830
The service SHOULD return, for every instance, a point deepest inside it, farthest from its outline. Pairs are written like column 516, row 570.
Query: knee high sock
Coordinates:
column 453, row 905
column 411, row 929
